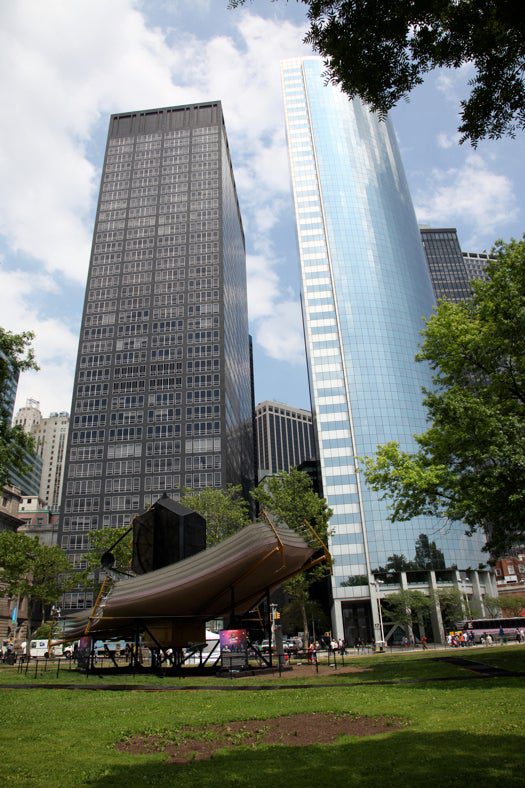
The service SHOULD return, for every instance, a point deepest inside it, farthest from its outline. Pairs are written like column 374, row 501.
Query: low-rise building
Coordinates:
column 39, row 519
column 9, row 521
column 510, row 573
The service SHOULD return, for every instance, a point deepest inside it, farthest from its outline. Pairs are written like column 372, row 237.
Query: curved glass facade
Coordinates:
column 365, row 291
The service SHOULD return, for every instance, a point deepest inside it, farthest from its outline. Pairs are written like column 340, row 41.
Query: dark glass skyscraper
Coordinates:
column 8, row 395
column 29, row 482
column 162, row 395
column 451, row 270
column 447, row 268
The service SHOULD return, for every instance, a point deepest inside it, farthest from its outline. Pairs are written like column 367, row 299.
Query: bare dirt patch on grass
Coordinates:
column 297, row 730
column 304, row 670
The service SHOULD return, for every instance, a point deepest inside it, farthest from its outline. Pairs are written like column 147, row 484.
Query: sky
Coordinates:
column 67, row 66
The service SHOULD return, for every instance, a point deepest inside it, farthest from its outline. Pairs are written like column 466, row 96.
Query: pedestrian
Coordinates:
column 488, row 640
column 424, row 642
column 501, row 634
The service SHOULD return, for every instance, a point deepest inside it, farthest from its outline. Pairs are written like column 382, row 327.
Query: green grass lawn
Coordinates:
column 452, row 733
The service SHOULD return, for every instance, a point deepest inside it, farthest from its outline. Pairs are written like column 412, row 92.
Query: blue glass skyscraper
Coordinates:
column 365, row 291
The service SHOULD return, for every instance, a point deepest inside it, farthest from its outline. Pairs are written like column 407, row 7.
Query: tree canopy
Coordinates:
column 406, row 607
column 33, row 571
column 16, row 355
column 507, row 605
column 225, row 511
column 100, row 542
column 470, row 464
column 382, row 51
column 451, row 603
column 291, row 498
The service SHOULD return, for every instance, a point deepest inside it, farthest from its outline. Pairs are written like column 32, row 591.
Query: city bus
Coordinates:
column 492, row 626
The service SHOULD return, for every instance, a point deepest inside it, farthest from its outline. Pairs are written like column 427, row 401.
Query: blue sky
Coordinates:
column 67, row 66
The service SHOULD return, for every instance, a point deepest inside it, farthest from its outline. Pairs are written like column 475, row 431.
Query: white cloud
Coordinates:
column 68, row 68
column 55, row 343
column 263, row 286
column 277, row 321
column 452, row 83
column 480, row 198
column 281, row 333
column 267, row 216
column 446, row 141
column 62, row 69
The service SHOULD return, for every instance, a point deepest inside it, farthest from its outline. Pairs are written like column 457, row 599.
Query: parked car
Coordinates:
column 264, row 646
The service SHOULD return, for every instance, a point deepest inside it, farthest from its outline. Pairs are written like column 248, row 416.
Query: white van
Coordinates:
column 40, row 648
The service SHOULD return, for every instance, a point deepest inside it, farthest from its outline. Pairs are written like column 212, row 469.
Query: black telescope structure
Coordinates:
column 167, row 533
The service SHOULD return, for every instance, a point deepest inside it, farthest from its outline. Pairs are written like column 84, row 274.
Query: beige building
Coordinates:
column 51, row 439
column 50, row 436
column 11, row 500
column 38, row 519
column 28, row 416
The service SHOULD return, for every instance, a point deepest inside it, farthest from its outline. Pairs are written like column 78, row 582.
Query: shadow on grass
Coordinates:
column 403, row 758
column 510, row 659
column 426, row 669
